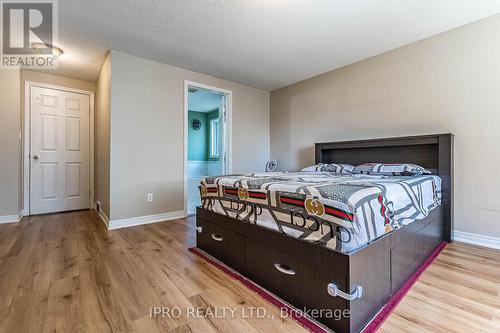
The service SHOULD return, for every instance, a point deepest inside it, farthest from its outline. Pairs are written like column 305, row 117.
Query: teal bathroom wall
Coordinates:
column 198, row 139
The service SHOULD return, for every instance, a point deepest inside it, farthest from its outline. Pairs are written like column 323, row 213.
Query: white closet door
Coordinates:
column 60, row 139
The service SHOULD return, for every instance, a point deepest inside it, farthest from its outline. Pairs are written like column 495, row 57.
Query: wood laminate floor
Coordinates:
column 67, row 273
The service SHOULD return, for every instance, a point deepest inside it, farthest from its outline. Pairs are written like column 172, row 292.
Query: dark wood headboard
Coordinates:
column 434, row 152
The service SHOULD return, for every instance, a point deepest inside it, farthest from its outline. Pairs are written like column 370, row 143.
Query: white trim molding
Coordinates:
column 11, row 218
column 227, row 132
column 134, row 221
column 476, row 239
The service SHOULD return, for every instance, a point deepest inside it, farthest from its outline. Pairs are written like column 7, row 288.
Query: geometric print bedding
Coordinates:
column 393, row 169
column 341, row 212
column 330, row 167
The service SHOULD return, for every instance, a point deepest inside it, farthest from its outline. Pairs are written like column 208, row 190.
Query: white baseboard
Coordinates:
column 11, row 218
column 475, row 239
column 125, row 223
column 103, row 216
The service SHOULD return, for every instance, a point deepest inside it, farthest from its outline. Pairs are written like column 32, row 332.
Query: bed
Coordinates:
column 300, row 236
column 341, row 211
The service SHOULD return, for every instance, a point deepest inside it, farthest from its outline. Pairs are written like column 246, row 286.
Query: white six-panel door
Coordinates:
column 59, row 151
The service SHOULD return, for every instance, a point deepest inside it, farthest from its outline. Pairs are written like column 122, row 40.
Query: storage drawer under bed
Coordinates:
column 275, row 270
column 223, row 244
column 297, row 271
column 410, row 254
column 300, row 271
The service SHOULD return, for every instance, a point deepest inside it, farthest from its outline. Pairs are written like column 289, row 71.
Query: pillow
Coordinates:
column 330, row 167
column 397, row 169
column 338, row 168
column 314, row 168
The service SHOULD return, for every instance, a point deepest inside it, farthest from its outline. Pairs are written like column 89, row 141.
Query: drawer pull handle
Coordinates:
column 217, row 238
column 334, row 291
column 284, row 269
column 199, row 230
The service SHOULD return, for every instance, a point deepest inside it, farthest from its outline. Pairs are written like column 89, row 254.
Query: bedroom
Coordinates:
column 104, row 244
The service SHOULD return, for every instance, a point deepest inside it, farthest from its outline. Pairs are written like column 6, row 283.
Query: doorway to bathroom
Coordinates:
column 207, row 138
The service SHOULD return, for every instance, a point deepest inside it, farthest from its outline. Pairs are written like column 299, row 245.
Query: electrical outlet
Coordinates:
column 150, row 197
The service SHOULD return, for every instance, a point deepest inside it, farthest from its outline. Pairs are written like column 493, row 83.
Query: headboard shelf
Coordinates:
column 385, row 142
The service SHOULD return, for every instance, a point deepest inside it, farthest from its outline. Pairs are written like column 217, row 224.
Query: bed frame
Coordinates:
column 315, row 277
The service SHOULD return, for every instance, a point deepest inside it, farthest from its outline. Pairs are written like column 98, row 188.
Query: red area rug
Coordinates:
column 309, row 323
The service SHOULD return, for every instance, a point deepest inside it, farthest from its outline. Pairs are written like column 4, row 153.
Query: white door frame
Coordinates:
column 228, row 131
column 26, row 135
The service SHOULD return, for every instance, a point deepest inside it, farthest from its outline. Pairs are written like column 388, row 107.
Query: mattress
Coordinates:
column 341, row 212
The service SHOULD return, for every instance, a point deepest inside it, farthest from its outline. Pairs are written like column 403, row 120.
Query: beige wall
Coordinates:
column 147, row 133
column 447, row 83
column 58, row 80
column 10, row 142
column 139, row 133
column 102, row 135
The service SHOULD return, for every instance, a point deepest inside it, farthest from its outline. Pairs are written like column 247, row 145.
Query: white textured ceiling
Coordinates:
column 266, row 44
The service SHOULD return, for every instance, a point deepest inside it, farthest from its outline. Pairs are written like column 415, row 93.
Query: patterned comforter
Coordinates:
column 341, row 212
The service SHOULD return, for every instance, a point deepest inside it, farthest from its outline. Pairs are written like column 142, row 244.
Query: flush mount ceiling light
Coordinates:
column 41, row 47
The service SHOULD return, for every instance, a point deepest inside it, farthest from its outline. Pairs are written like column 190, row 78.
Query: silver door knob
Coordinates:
column 35, row 157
